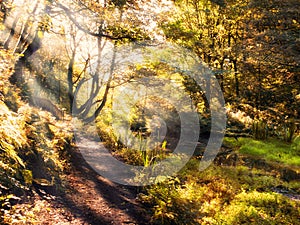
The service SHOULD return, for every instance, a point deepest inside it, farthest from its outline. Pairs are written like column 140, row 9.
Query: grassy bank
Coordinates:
column 231, row 194
column 271, row 149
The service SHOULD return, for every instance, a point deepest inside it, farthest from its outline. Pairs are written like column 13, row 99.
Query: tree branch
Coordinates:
column 83, row 71
column 80, row 27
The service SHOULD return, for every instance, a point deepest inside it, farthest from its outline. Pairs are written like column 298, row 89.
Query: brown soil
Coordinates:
column 87, row 198
column 97, row 200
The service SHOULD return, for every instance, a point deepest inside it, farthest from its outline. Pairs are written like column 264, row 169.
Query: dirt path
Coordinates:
column 96, row 200
column 87, row 199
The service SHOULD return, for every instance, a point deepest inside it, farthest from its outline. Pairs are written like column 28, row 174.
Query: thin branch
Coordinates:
column 84, row 69
column 80, row 27
column 120, row 84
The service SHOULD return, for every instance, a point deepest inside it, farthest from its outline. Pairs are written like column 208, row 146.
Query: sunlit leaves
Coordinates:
column 260, row 39
column 126, row 34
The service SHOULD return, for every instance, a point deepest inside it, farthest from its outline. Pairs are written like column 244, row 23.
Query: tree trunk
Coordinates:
column 11, row 33
column 107, row 88
column 237, row 89
column 17, row 78
column 23, row 39
column 70, row 79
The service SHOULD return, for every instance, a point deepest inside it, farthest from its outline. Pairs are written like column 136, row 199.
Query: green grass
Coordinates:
column 272, row 149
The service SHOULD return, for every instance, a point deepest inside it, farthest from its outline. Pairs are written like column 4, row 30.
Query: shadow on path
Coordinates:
column 97, row 200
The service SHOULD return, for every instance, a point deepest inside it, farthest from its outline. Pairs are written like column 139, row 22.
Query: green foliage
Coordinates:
column 272, row 149
column 259, row 208
column 221, row 195
column 296, row 145
column 12, row 130
column 49, row 69
column 253, row 48
column 250, row 45
column 12, row 137
column 30, row 147
column 32, row 143
column 27, row 175
column 138, row 156
column 126, row 34
column 173, row 204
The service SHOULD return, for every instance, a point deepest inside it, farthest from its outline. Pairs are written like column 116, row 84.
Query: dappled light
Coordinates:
column 149, row 112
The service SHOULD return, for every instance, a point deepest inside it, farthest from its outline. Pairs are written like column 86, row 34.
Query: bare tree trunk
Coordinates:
column 22, row 33
column 85, row 108
column 221, row 77
column 107, row 88
column 70, row 79
column 17, row 77
column 25, row 32
column 11, row 33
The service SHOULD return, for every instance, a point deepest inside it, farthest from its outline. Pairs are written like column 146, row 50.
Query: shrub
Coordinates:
column 221, row 195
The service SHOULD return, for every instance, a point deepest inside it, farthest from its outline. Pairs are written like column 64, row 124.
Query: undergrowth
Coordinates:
column 32, row 145
column 221, row 195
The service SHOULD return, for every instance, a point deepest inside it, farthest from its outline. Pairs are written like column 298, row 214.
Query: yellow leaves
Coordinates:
column 27, row 175
column 296, row 24
column 2, row 27
column 164, row 145
column 274, row 10
column 3, row 109
column 12, row 133
column 40, row 34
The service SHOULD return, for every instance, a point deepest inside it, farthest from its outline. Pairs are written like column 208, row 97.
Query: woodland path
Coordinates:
column 87, row 198
column 96, row 200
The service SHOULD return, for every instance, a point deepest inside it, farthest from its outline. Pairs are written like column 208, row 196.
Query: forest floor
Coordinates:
column 88, row 198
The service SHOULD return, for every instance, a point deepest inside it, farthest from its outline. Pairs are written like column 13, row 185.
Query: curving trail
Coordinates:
column 87, row 199
column 96, row 200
